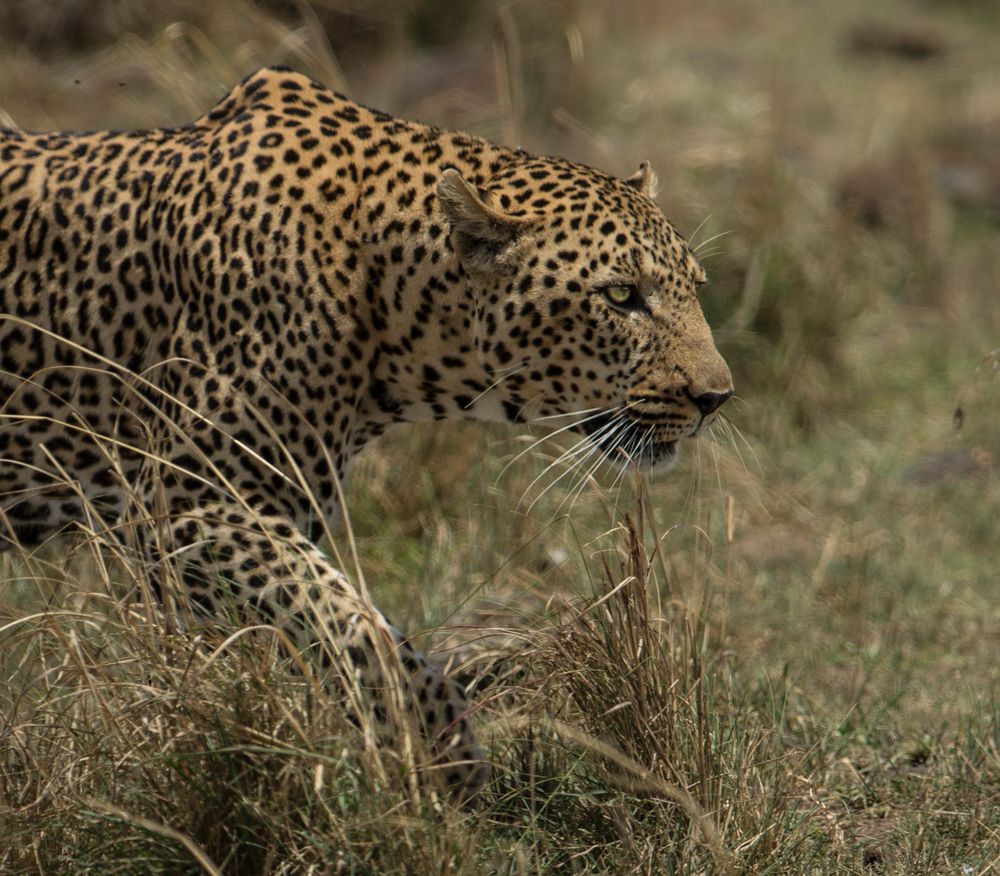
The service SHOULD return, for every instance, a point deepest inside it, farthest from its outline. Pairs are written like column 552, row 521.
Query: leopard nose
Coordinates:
column 709, row 402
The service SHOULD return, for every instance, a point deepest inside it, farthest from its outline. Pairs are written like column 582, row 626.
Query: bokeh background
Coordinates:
column 835, row 544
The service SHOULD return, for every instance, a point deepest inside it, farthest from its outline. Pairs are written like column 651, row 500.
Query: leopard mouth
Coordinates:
column 628, row 441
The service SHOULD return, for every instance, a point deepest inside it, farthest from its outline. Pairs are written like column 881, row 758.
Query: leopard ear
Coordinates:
column 480, row 234
column 644, row 179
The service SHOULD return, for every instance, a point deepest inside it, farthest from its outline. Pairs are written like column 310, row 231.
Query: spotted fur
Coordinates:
column 220, row 316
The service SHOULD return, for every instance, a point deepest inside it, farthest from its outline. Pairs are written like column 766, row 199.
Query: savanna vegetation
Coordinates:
column 780, row 658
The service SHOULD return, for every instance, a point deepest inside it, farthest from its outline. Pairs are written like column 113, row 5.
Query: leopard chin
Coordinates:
column 655, row 458
column 660, row 457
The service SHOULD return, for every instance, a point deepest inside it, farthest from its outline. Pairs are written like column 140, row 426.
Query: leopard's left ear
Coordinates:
column 481, row 234
column 644, row 179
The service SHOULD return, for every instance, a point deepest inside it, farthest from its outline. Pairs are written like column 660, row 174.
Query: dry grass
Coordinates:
column 781, row 659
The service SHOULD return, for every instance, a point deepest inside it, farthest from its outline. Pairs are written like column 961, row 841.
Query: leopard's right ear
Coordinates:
column 481, row 234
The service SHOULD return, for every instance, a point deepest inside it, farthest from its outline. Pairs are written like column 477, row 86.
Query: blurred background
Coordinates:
column 837, row 165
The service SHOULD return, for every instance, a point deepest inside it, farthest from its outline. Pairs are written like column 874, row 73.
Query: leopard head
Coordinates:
column 586, row 307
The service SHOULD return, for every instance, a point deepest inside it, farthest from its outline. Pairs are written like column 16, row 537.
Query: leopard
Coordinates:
column 209, row 322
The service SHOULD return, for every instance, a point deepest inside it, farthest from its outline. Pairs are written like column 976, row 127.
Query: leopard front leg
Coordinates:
column 261, row 564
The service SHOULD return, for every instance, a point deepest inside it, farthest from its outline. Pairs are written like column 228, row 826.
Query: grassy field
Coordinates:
column 781, row 658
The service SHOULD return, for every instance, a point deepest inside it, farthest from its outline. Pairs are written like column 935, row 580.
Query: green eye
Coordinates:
column 622, row 294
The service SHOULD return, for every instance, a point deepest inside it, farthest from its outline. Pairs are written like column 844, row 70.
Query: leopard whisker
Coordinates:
column 694, row 234
column 547, row 435
column 632, row 457
column 591, row 448
column 710, row 254
column 737, row 438
column 633, row 462
column 619, row 482
column 570, row 414
column 567, row 455
column 588, row 443
column 510, row 372
column 697, row 249
column 594, row 453
column 713, row 449
column 577, row 488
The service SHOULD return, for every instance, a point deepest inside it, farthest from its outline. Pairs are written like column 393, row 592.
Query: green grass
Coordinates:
column 800, row 678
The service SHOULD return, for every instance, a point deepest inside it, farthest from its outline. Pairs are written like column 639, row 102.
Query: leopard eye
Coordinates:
column 622, row 295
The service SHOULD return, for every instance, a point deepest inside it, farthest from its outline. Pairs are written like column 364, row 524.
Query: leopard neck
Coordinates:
column 423, row 310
